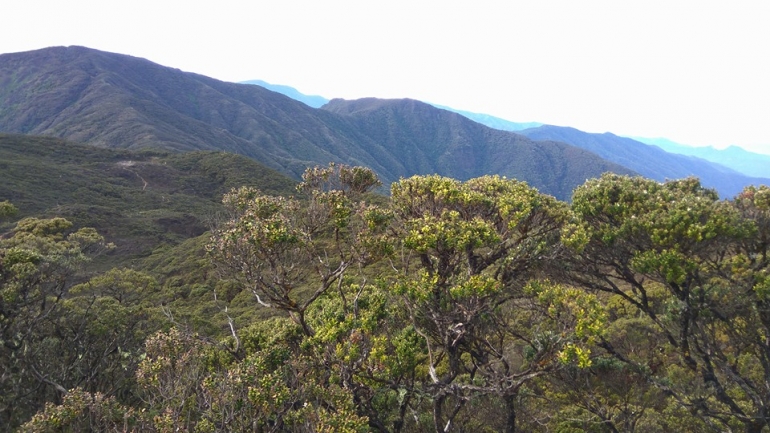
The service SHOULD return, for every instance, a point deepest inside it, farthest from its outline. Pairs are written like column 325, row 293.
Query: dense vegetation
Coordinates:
column 135, row 199
column 478, row 305
column 151, row 290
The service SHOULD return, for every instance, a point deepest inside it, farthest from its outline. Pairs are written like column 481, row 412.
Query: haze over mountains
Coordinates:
column 727, row 170
column 649, row 161
column 748, row 163
column 316, row 101
column 737, row 158
column 119, row 101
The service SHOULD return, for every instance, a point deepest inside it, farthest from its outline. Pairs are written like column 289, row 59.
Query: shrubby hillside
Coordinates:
column 448, row 305
column 135, row 199
column 203, row 259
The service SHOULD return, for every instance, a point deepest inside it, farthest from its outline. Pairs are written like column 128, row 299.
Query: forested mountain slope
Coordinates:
column 119, row 101
column 624, row 151
column 137, row 200
column 429, row 140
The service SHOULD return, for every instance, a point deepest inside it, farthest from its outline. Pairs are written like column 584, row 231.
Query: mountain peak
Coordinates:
column 117, row 101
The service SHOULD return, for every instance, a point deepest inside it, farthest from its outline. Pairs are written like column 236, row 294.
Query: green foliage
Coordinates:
column 39, row 258
column 480, row 305
column 350, row 181
column 7, row 209
column 82, row 411
column 196, row 386
column 468, row 251
column 279, row 246
column 695, row 266
column 579, row 316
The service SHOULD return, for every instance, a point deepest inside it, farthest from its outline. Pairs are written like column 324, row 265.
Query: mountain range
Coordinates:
column 737, row 158
column 119, row 101
column 123, row 102
column 648, row 160
column 316, row 101
column 750, row 164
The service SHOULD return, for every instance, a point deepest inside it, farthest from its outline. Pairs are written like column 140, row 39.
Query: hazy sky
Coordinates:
column 695, row 72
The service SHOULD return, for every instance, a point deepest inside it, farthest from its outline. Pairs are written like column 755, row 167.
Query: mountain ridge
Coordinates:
column 434, row 140
column 650, row 161
column 114, row 100
column 317, row 101
column 743, row 162
column 717, row 167
column 735, row 157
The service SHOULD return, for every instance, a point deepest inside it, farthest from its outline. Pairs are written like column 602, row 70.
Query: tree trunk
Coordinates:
column 438, row 404
column 510, row 418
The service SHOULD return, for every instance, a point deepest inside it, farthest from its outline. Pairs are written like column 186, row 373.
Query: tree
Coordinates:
column 83, row 411
column 458, row 316
column 38, row 260
column 94, row 339
column 7, row 209
column 289, row 252
column 696, row 268
column 468, row 262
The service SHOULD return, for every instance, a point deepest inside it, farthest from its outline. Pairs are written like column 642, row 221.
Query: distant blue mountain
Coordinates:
column 727, row 170
column 314, row 101
column 649, row 160
column 319, row 101
column 743, row 161
column 492, row 121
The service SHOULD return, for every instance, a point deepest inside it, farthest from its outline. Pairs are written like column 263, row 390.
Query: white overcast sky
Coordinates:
column 695, row 72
